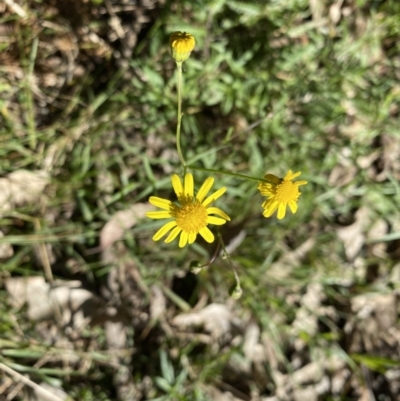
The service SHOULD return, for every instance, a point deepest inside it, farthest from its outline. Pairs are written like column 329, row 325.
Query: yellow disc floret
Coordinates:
column 287, row 192
column 192, row 215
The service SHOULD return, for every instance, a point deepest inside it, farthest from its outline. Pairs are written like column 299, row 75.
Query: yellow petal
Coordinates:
column 177, row 185
column 281, row 210
column 219, row 212
column 291, row 176
column 266, row 213
column 214, row 196
column 207, row 234
column 269, row 203
column 215, row 220
column 293, row 206
column 188, row 189
column 160, row 202
column 192, row 238
column 173, row 234
column 159, row 214
column 183, row 239
column 163, row 230
column 270, row 208
column 205, row 188
column 266, row 188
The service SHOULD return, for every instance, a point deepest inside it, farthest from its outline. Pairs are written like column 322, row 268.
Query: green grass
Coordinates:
column 269, row 87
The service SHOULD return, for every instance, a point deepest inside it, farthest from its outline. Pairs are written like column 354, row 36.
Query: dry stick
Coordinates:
column 7, row 382
column 16, row 8
column 15, row 391
column 40, row 390
column 115, row 21
column 44, row 256
column 48, row 273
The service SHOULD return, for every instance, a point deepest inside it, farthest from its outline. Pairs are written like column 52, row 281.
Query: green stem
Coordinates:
column 237, row 291
column 179, row 120
column 245, row 177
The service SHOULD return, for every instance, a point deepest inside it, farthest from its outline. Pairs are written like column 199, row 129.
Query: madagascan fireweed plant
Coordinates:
column 192, row 216
column 195, row 211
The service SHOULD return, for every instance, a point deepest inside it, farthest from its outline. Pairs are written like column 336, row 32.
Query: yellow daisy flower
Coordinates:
column 181, row 44
column 193, row 214
column 281, row 192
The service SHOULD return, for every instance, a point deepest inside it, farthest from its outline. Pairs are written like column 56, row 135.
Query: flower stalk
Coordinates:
column 179, row 83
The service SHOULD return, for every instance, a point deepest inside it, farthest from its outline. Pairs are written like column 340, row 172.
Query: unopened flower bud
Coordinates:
column 182, row 44
column 237, row 292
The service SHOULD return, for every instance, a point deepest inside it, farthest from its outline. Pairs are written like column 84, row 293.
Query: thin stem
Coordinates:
column 178, row 124
column 198, row 268
column 245, row 177
column 237, row 291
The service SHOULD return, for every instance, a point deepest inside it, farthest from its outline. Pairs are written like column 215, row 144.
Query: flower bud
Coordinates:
column 196, row 267
column 181, row 44
column 236, row 293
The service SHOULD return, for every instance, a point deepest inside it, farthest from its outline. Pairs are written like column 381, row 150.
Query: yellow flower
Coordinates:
column 181, row 44
column 281, row 192
column 193, row 214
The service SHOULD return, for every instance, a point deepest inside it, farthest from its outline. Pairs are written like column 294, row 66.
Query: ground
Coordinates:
column 92, row 308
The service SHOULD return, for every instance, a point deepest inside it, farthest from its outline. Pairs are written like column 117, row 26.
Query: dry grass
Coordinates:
column 92, row 308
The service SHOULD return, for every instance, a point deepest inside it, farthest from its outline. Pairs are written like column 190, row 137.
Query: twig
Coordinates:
column 41, row 392
column 44, row 256
column 16, row 8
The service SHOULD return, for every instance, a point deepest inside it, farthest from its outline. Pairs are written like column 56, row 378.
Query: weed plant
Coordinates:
column 269, row 87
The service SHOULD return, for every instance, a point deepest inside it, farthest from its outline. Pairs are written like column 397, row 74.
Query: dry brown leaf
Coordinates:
column 366, row 162
column 390, row 158
column 306, row 316
column 6, row 250
column 345, row 171
column 116, row 335
column 353, row 236
column 335, row 12
column 157, row 303
column 291, row 259
column 121, row 221
column 318, row 10
column 382, row 307
column 256, row 355
column 217, row 395
column 252, row 349
column 366, row 394
column 21, row 187
column 378, row 230
column 117, row 341
column 307, row 393
column 65, row 300
column 216, row 319
column 310, row 373
column 374, row 329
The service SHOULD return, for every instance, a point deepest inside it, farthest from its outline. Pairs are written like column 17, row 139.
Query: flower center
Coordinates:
column 191, row 217
column 287, row 191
